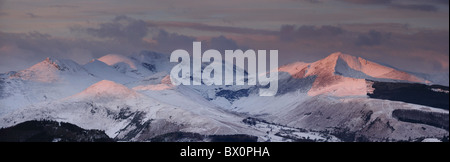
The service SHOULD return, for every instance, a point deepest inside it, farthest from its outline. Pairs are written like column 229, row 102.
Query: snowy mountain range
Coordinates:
column 131, row 98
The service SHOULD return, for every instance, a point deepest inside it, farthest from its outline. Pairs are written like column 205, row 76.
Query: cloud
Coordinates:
column 127, row 35
column 212, row 28
column 418, row 7
column 406, row 47
column 310, row 42
column 134, row 29
column 122, row 28
column 426, row 40
column 64, row 6
column 2, row 13
column 21, row 50
column 291, row 32
column 14, row 58
column 310, row 1
column 26, row 49
column 373, row 38
column 167, row 42
column 33, row 47
column 444, row 2
column 32, row 15
column 222, row 43
column 368, row 1
column 127, row 30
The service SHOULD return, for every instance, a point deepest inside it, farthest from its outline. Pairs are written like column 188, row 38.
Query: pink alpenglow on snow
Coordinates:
column 107, row 90
column 345, row 75
column 113, row 59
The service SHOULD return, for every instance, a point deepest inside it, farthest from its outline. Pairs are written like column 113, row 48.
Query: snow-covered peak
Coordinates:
column 114, row 59
column 49, row 70
column 350, row 66
column 108, row 90
column 139, row 65
column 153, row 61
column 105, row 72
column 343, row 74
column 61, row 65
column 336, row 55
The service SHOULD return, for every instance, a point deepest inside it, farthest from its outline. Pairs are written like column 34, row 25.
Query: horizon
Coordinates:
column 444, row 82
column 168, row 55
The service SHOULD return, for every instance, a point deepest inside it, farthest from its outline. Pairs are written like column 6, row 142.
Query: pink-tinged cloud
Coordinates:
column 212, row 28
column 417, row 5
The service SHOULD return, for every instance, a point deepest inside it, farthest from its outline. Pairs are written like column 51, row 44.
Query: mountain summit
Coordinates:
column 350, row 66
column 357, row 67
column 115, row 60
column 49, row 70
column 106, row 89
column 345, row 75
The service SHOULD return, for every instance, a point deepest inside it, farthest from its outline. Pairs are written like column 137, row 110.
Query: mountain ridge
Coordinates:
column 137, row 104
column 345, row 75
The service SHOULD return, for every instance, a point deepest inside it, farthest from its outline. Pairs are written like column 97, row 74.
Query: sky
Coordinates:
column 411, row 35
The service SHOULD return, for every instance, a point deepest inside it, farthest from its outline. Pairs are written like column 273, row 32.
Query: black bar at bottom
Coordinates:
column 223, row 151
